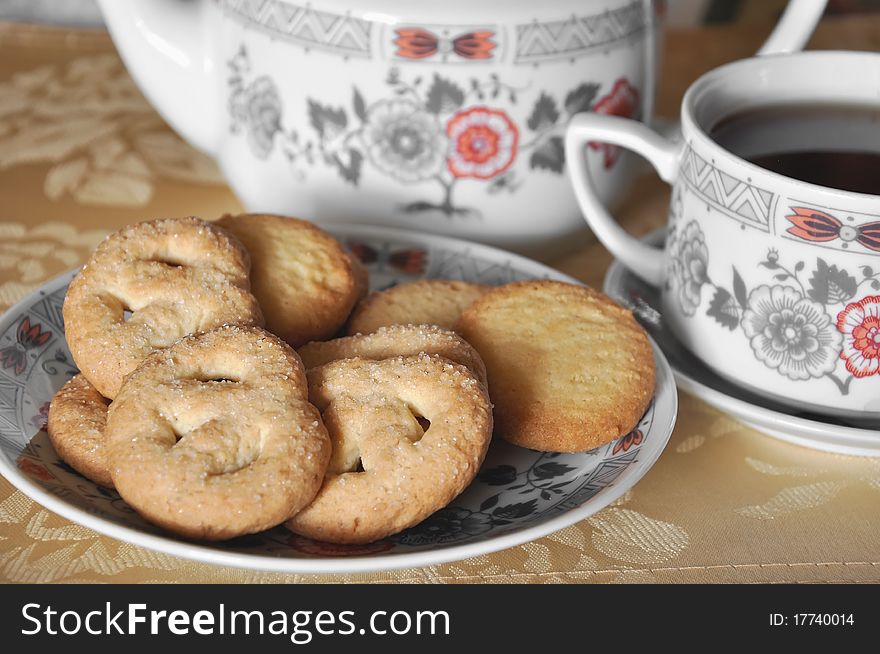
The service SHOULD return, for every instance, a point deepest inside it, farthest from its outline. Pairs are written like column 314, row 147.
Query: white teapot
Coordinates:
column 447, row 117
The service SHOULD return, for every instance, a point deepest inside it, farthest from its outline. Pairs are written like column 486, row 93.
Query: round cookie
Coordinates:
column 214, row 437
column 361, row 276
column 148, row 285
column 77, row 418
column 396, row 340
column 569, row 369
column 425, row 302
column 304, row 279
column 372, row 410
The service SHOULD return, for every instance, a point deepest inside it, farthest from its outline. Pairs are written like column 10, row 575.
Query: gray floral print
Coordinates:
column 791, row 333
column 689, row 258
column 404, row 141
column 257, row 108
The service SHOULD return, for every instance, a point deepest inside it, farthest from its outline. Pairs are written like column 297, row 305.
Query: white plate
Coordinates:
column 519, row 495
column 809, row 430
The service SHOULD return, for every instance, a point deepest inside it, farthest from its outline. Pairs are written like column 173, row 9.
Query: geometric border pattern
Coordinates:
column 45, row 312
column 577, row 35
column 349, row 36
column 603, row 476
column 339, row 33
column 734, row 197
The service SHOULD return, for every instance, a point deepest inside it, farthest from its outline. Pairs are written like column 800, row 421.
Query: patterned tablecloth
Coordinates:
column 82, row 153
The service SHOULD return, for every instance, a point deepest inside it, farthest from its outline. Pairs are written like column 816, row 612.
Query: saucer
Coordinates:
column 519, row 495
column 801, row 428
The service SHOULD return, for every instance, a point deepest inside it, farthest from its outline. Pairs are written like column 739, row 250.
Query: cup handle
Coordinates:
column 794, row 28
column 645, row 261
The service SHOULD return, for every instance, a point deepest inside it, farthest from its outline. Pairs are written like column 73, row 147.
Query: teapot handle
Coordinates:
column 165, row 45
column 795, row 27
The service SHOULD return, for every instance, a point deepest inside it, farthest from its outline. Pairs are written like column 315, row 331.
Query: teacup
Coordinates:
column 770, row 280
column 445, row 116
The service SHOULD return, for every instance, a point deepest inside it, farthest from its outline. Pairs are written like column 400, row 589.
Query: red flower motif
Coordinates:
column 819, row 227
column 483, row 142
column 860, row 324
column 626, row 442
column 34, row 469
column 42, row 418
column 27, row 337
column 365, row 253
column 31, row 336
column 320, row 548
column 417, row 43
column 622, row 101
column 411, row 261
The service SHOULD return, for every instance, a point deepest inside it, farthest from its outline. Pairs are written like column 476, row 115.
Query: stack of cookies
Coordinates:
column 194, row 403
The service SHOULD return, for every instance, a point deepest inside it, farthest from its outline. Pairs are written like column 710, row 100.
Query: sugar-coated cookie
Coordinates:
column 568, row 369
column 214, row 437
column 406, row 472
column 77, row 418
column 148, row 285
column 396, row 340
column 426, row 302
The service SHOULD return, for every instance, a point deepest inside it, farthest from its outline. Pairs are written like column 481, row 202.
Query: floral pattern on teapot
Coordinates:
column 426, row 130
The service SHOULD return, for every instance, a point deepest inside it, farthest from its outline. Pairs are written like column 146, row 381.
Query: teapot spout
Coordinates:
column 165, row 44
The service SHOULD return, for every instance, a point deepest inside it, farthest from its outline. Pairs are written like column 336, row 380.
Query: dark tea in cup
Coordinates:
column 770, row 274
column 836, row 146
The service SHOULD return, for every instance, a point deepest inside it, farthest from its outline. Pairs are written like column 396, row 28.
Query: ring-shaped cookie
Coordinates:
column 148, row 285
column 214, row 437
column 427, row 301
column 77, row 419
column 396, row 340
column 407, row 473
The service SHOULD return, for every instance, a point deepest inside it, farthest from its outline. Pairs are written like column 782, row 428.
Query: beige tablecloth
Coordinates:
column 82, row 153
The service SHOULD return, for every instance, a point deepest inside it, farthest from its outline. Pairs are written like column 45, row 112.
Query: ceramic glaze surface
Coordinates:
column 838, row 435
column 444, row 117
column 772, row 282
column 518, row 495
